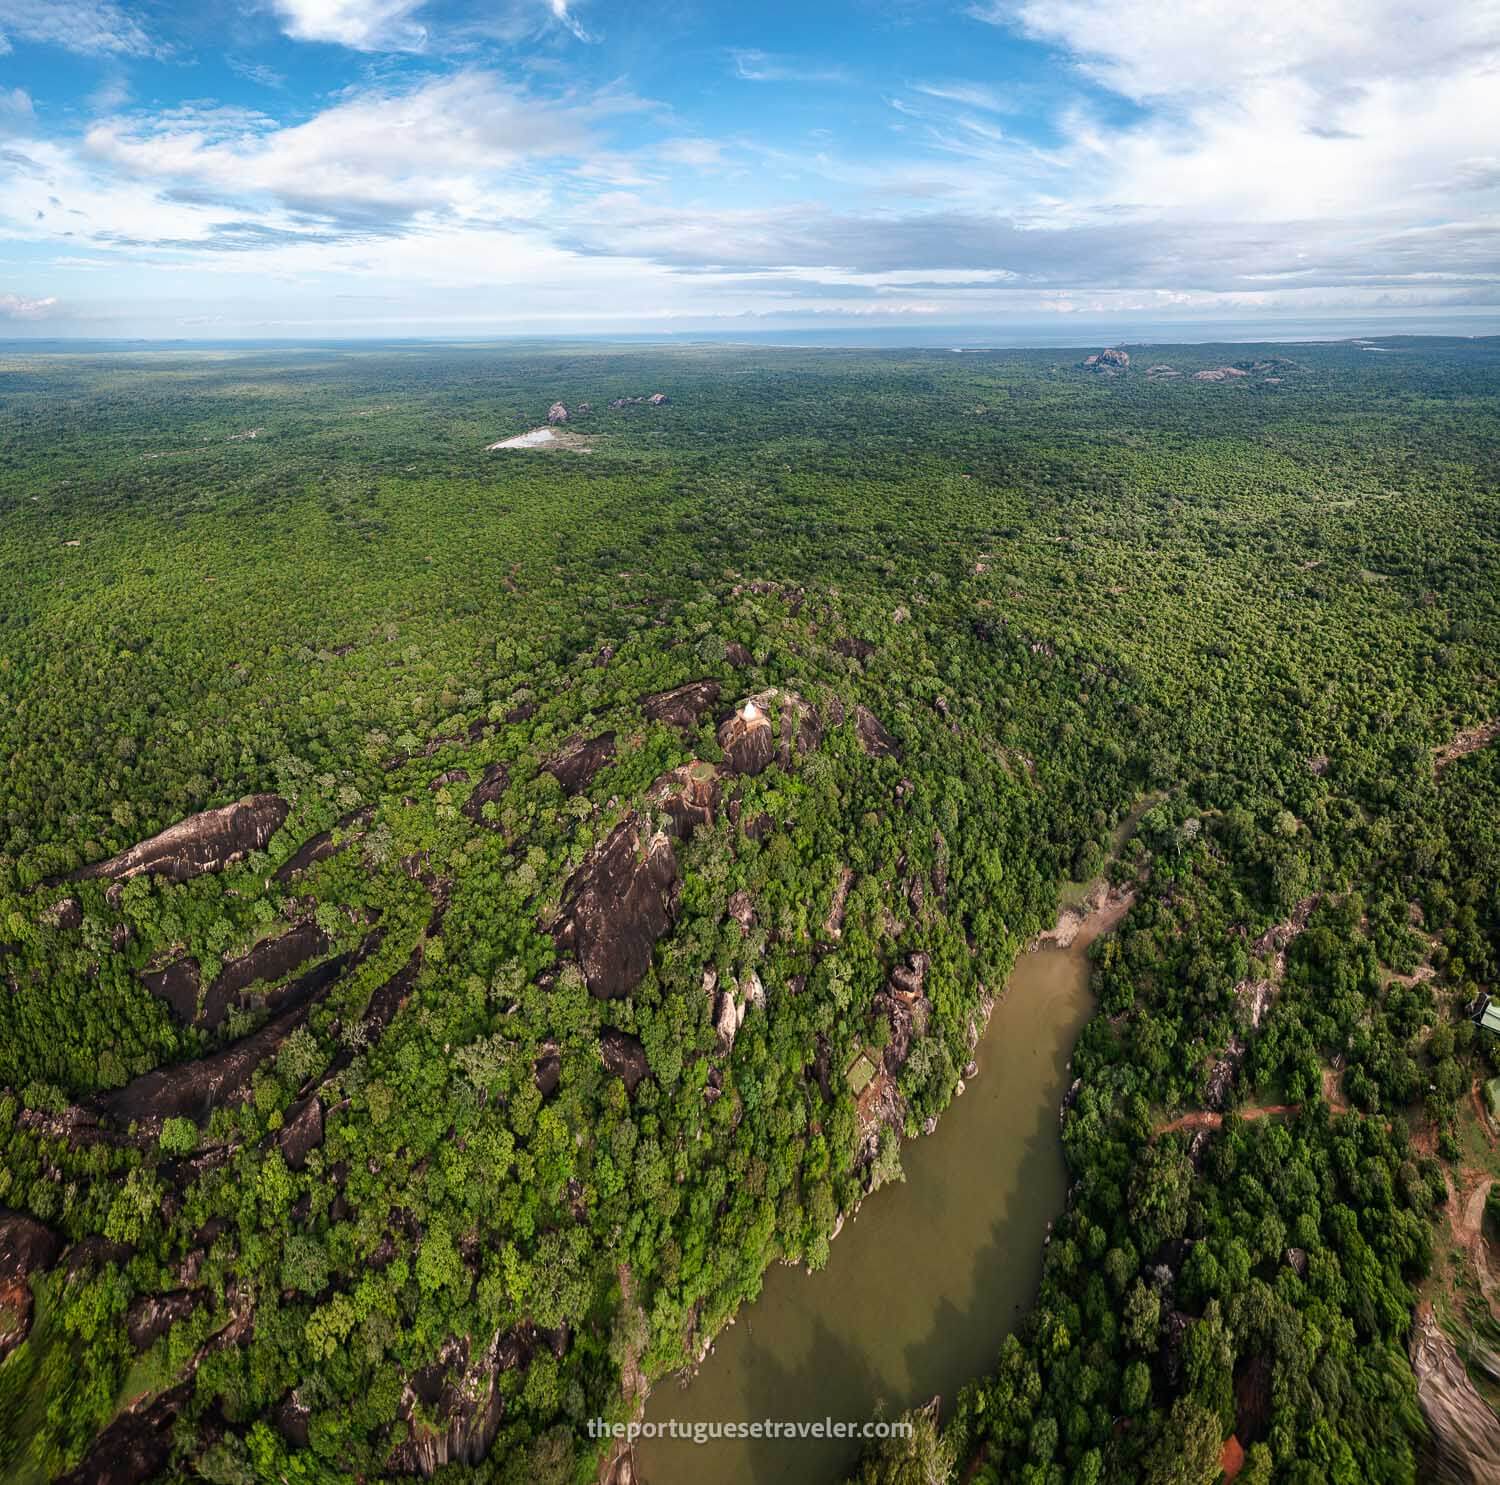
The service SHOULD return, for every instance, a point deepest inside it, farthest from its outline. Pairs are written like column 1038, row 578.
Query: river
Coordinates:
column 921, row 1288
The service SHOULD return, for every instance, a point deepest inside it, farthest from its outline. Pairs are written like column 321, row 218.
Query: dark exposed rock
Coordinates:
column 136, row 1446
column 523, row 713
column 292, row 1417
column 449, row 776
column 492, row 784
column 269, row 960
column 749, row 740
column 67, row 913
column 153, row 1315
column 1254, row 1378
column 687, row 795
column 605, row 655
column 624, row 1056
column 302, row 1133
column 873, row 737
column 682, row 706
column 856, row 649
column 742, row 910
column 1296, row 1260
column 461, row 1407
column 177, row 984
column 575, row 766
column 206, row 842
column 89, row 1255
column 192, row 1089
column 615, row 907
column 26, row 1245
column 325, row 844
column 1108, row 363
column 908, row 980
column 547, row 1069
column 737, row 655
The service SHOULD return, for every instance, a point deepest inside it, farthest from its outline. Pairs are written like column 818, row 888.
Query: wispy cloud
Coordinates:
column 969, row 94
column 757, row 66
column 91, row 27
column 256, row 72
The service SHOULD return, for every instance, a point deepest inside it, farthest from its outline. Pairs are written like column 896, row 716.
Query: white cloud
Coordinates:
column 1148, row 49
column 99, row 27
column 18, row 307
column 461, row 144
column 363, row 25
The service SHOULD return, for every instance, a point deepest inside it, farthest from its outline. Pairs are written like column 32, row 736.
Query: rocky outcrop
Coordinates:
column 1112, row 362
column 615, row 907
column 688, row 796
column 325, row 844
column 624, row 1057
column 1219, row 374
column 750, row 740
column 873, row 737
column 177, row 984
column 26, row 1247
column 734, row 1002
column 737, row 655
column 301, row 1133
column 153, row 1315
column 192, row 1089
column 547, row 1069
column 492, row 784
column 682, row 706
column 905, row 1006
column 207, row 842
column 742, row 910
column 1464, row 1443
column 452, row 1410
column 268, row 961
column 651, row 399
column 556, row 414
column 575, row 766
column 855, row 649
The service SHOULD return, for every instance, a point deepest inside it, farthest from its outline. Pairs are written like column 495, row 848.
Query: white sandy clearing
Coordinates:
column 533, row 440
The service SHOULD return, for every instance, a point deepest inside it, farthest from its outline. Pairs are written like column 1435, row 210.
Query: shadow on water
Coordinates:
column 922, row 1288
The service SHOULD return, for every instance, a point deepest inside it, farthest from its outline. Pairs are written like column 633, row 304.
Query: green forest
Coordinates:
column 465, row 913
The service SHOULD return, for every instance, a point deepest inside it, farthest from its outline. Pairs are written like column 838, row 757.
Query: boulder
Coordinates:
column 325, row 844
column 855, row 649
column 557, row 413
column 682, row 706
column 750, row 742
column 153, row 1315
column 580, row 759
column 1107, row 363
column 492, row 784
column 177, row 984
column 737, row 655
column 453, row 1408
column 26, row 1247
column 546, row 1071
column 205, row 842
column 302, row 1133
column 873, row 737
column 624, row 1057
column 615, row 907
column 688, row 796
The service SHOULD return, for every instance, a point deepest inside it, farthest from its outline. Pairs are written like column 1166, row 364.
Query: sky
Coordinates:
column 392, row 168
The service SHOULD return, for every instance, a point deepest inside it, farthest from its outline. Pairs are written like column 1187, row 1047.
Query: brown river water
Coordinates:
column 921, row 1288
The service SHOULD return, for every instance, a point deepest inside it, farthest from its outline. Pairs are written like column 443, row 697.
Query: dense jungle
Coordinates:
column 466, row 912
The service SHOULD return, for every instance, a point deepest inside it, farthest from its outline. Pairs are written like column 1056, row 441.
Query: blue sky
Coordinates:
column 388, row 167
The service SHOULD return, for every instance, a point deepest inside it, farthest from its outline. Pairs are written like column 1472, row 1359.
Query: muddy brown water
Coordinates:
column 922, row 1287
